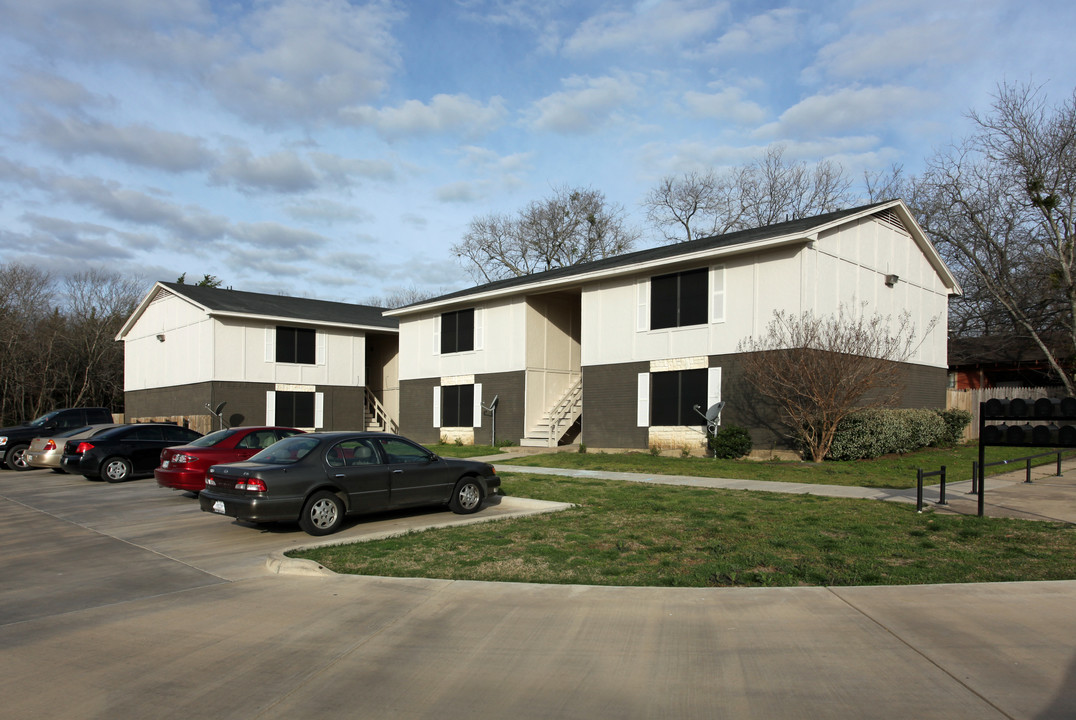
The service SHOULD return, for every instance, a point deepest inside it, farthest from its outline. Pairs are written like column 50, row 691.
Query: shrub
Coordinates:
column 955, row 422
column 731, row 442
column 873, row 432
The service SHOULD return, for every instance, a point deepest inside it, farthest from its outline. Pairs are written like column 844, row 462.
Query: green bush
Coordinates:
column 873, row 432
column 731, row 442
column 955, row 422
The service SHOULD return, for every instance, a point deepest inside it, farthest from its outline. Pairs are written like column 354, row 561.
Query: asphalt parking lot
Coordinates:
column 126, row 601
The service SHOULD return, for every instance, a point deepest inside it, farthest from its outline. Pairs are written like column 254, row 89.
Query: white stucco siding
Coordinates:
column 500, row 343
column 244, row 353
column 184, row 355
column 849, row 266
column 616, row 316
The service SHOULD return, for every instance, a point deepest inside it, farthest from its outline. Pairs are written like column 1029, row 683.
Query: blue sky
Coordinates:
column 338, row 150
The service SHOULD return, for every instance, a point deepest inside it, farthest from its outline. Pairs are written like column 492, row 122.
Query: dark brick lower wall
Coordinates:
column 610, row 406
column 342, row 408
column 416, row 407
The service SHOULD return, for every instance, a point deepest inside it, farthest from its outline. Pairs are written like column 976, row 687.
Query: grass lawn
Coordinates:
column 462, row 451
column 650, row 535
column 891, row 471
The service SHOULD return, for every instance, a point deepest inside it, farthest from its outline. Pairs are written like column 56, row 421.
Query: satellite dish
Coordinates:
column 493, row 402
column 218, row 408
column 712, row 415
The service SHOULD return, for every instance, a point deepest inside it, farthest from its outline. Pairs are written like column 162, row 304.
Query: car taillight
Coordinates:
column 50, row 445
column 250, row 485
column 83, row 447
column 181, row 459
column 209, row 480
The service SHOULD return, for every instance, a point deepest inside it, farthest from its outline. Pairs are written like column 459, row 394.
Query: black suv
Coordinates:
column 122, row 452
column 14, row 440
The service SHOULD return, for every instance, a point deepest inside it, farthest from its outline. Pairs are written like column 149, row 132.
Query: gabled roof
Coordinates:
column 218, row 302
column 790, row 232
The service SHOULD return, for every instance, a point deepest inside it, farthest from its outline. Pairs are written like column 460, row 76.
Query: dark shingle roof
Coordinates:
column 282, row 306
column 662, row 252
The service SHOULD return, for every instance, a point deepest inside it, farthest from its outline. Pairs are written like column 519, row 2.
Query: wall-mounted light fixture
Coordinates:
column 160, row 338
column 890, row 281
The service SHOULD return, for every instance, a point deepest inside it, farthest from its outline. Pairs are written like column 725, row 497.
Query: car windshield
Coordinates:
column 213, row 438
column 44, row 419
column 287, row 451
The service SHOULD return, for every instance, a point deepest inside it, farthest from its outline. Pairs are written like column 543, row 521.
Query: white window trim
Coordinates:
column 270, row 407
column 642, row 416
column 437, row 406
column 436, row 334
column 642, row 304
column 713, row 389
column 270, row 344
column 476, row 411
column 717, row 294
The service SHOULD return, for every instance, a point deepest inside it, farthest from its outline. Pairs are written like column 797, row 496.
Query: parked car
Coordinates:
column 123, row 452
column 46, row 452
column 184, row 467
column 319, row 478
column 15, row 440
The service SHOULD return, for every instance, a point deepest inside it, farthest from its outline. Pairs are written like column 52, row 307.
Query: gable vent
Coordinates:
column 890, row 217
column 162, row 294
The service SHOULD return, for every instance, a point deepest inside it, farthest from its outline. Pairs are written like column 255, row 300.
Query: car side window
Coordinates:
column 352, row 453
column 178, row 434
column 146, row 433
column 258, row 440
column 400, row 451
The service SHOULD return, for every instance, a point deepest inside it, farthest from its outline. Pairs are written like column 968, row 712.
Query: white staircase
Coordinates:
column 554, row 423
column 377, row 418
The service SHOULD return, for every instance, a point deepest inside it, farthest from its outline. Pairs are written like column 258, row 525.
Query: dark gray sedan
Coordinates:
column 319, row 478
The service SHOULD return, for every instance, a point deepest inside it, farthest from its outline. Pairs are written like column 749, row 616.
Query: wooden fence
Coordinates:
column 969, row 400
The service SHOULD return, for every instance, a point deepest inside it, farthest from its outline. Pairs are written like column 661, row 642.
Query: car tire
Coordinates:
column 323, row 514
column 116, row 469
column 16, row 458
column 466, row 497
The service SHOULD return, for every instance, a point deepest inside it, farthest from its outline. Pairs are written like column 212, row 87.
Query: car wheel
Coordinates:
column 16, row 458
column 466, row 496
column 323, row 514
column 116, row 469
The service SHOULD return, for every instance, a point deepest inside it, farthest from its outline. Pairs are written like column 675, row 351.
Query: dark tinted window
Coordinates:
column 213, row 438
column 457, row 331
column 146, row 432
column 296, row 345
column 457, row 406
column 287, row 451
column 175, row 433
column 295, row 408
column 679, row 299
column 674, row 395
column 401, row 451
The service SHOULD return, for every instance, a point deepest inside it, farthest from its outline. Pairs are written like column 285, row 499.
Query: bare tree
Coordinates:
column 1001, row 206
column 817, row 370
column 767, row 191
column 573, row 226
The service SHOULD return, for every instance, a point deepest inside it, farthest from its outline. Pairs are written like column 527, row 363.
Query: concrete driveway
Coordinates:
column 126, row 601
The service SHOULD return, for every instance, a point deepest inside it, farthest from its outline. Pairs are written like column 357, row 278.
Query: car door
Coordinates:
column 418, row 477
column 142, row 446
column 356, row 467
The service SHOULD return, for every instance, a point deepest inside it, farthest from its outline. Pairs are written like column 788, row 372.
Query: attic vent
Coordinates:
column 161, row 295
column 890, row 217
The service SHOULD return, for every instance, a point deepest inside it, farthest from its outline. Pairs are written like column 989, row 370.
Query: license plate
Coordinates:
column 218, row 507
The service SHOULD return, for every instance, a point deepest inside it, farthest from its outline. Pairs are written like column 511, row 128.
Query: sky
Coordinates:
column 338, row 150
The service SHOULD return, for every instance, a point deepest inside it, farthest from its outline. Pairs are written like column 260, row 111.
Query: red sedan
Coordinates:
column 184, row 467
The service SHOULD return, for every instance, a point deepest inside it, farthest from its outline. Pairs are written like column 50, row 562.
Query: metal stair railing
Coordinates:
column 564, row 412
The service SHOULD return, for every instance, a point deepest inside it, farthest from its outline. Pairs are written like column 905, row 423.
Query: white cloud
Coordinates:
column 761, row 33
column 283, row 172
column 327, row 212
column 140, row 145
column 274, row 235
column 869, row 55
column 444, row 114
column 648, row 27
column 458, row 192
column 727, row 104
column 849, row 109
column 583, row 106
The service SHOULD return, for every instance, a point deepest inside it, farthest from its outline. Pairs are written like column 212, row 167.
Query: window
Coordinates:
column 296, row 345
column 295, row 409
column 457, row 406
column 679, row 299
column 457, row 331
column 399, row 451
column 674, row 395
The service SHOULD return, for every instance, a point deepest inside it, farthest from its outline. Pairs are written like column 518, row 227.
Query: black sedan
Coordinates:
column 319, row 478
column 123, row 452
